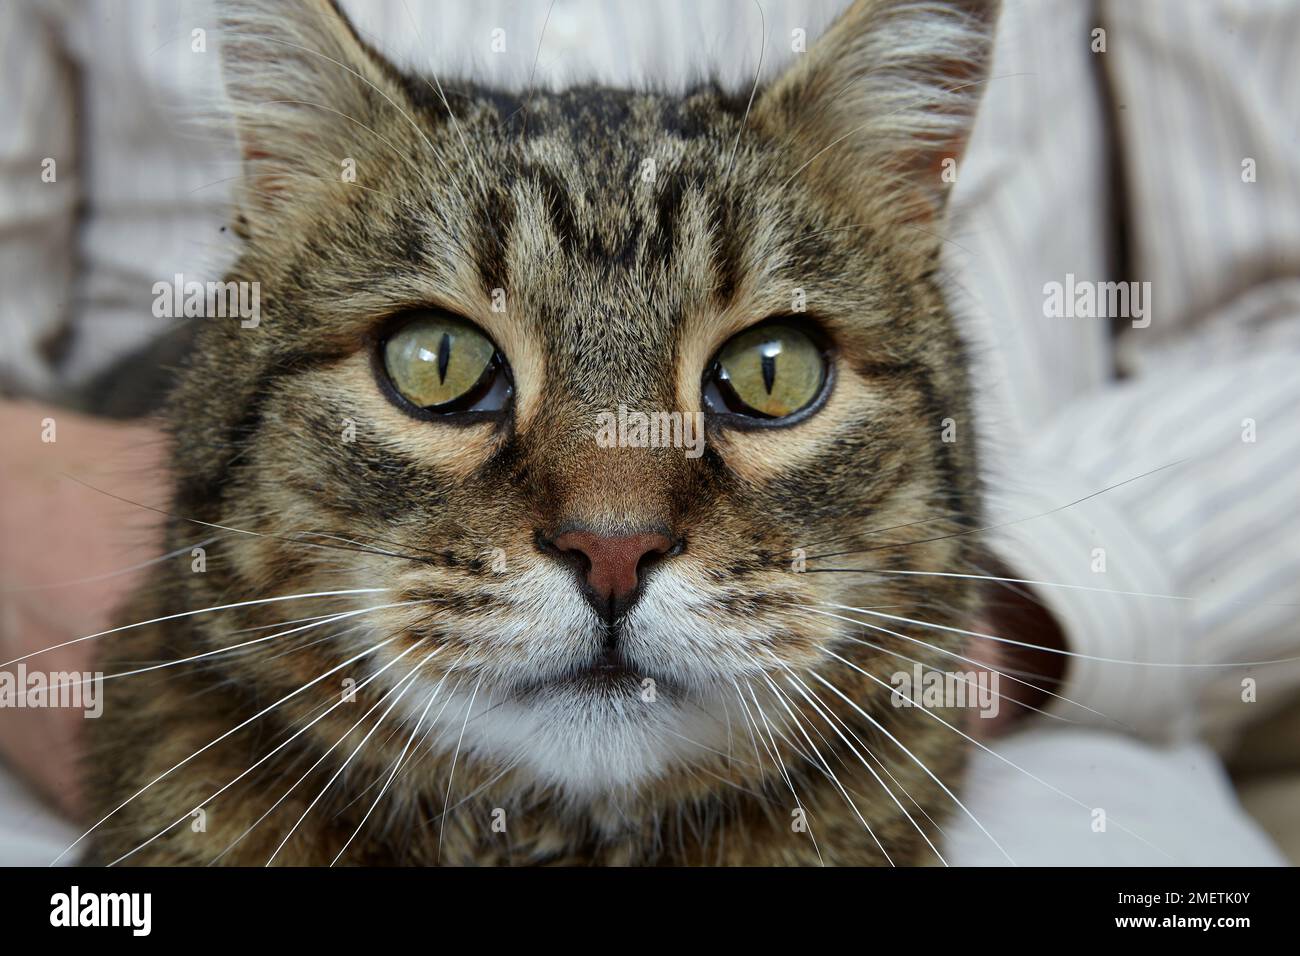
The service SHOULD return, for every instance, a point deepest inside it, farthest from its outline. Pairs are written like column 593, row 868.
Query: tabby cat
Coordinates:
column 438, row 621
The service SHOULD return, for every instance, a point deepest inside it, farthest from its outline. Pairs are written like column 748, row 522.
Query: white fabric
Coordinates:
column 1101, row 799
column 30, row 833
column 1199, row 88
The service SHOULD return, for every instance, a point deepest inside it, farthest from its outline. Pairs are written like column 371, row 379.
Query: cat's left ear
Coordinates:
column 878, row 112
column 308, row 95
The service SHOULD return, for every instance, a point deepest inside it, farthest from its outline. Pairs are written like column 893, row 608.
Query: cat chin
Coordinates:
column 582, row 740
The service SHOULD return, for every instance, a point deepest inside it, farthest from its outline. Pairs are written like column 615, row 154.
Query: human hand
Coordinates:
column 64, row 551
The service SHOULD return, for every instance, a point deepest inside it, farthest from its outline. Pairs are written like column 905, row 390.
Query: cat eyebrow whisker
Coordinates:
column 447, row 249
column 406, row 116
column 537, row 55
column 762, row 53
column 469, row 154
column 902, row 109
column 352, row 119
column 862, row 225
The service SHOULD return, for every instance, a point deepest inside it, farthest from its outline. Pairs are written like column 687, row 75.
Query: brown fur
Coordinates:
column 619, row 290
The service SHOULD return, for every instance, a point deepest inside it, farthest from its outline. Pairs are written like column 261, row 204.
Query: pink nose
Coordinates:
column 611, row 567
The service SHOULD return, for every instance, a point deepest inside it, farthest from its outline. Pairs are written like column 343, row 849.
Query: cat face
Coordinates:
column 441, row 397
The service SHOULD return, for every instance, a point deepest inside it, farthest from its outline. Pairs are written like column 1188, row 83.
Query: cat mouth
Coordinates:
column 609, row 674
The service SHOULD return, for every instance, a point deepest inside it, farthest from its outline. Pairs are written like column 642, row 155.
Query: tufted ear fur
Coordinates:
column 880, row 105
column 308, row 95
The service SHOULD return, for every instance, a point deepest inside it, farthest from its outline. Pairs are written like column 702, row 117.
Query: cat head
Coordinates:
column 604, row 389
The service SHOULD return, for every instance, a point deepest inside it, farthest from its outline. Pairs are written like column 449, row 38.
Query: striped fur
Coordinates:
column 632, row 234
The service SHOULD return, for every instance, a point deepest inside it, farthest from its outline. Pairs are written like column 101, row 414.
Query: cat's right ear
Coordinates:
column 878, row 111
column 307, row 95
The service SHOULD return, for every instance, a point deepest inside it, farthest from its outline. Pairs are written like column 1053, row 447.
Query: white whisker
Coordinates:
column 409, row 681
column 205, row 610
column 870, row 769
column 397, row 764
column 775, row 752
column 953, row 654
column 1052, row 650
column 915, row 759
column 994, row 753
column 302, row 730
column 213, row 743
column 446, row 801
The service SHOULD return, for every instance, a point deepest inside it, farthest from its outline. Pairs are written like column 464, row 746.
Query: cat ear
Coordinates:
column 306, row 93
column 878, row 111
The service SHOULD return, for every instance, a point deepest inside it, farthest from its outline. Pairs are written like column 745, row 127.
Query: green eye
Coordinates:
column 770, row 371
column 442, row 364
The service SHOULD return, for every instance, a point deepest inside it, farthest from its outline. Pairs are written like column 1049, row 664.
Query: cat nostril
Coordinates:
column 578, row 558
column 612, row 567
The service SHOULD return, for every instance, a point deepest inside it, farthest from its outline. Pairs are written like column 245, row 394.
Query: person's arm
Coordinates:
column 69, row 556
column 1186, row 551
column 1202, row 98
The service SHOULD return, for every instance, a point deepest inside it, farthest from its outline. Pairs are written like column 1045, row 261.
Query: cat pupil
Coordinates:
column 769, row 369
column 444, row 357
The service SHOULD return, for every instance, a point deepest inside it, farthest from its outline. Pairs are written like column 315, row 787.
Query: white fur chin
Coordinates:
column 584, row 742
column 585, row 739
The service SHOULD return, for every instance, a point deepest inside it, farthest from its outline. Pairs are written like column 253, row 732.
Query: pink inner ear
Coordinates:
column 261, row 175
column 928, row 186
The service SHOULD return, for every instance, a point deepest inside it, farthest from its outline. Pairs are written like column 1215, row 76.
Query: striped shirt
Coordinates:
column 1161, row 150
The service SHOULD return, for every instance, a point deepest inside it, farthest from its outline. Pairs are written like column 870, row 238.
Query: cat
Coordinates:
column 433, row 620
